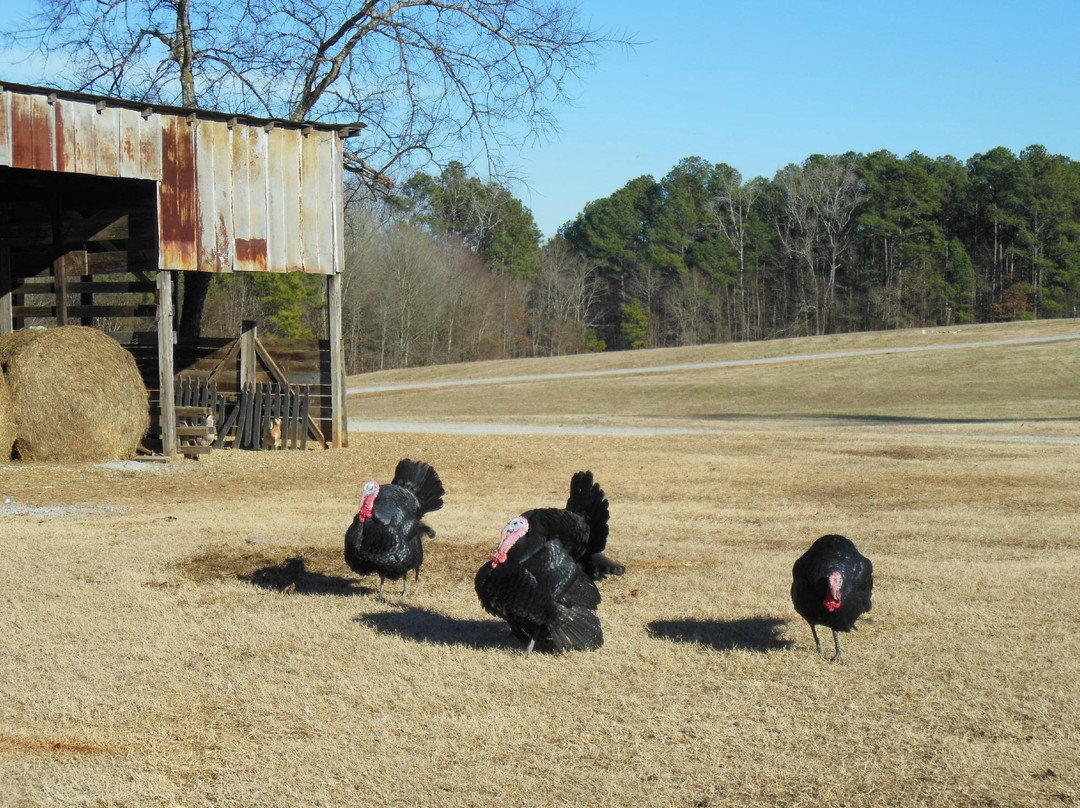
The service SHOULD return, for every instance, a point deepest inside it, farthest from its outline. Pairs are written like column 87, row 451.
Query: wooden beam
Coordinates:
column 248, row 334
column 272, row 367
column 148, row 310
column 58, row 269
column 6, row 324
column 339, row 432
column 224, row 366
column 166, row 342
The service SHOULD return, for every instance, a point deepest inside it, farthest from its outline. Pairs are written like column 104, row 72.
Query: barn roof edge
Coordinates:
column 343, row 129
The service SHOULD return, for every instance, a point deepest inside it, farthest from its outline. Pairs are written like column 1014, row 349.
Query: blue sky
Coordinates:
column 762, row 84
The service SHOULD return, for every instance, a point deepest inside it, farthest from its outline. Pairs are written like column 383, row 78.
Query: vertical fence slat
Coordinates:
column 305, row 411
column 294, row 419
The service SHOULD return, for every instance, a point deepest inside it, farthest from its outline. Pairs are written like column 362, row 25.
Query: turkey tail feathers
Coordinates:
column 587, row 499
column 576, row 628
column 423, row 481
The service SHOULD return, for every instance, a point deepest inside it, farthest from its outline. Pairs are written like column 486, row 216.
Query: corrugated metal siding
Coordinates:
column 231, row 196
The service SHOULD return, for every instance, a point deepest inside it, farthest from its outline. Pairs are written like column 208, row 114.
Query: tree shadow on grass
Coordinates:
column 423, row 625
column 293, row 576
column 748, row 634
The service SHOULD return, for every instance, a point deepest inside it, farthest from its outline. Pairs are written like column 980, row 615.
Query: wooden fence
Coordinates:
column 266, row 415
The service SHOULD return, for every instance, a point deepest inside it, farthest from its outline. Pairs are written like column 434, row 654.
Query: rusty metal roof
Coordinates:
column 235, row 193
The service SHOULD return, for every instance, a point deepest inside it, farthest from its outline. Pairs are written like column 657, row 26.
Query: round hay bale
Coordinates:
column 7, row 419
column 76, row 393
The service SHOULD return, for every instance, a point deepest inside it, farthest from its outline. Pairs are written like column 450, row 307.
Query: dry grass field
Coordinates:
column 189, row 635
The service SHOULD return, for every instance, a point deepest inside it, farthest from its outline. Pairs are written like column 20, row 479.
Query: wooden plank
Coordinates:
column 22, row 312
column 227, row 424
column 259, row 421
column 61, row 292
column 243, row 424
column 291, row 417
column 112, row 287
column 305, row 412
column 225, row 364
column 271, row 366
column 142, row 310
column 166, row 340
column 6, row 324
column 192, row 411
column 194, row 431
column 86, row 298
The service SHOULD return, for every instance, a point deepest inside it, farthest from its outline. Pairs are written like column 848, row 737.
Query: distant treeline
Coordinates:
column 451, row 268
column 840, row 243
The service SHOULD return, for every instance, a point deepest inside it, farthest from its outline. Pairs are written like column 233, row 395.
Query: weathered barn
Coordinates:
column 103, row 201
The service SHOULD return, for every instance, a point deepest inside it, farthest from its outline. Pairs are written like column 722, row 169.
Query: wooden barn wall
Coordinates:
column 232, row 196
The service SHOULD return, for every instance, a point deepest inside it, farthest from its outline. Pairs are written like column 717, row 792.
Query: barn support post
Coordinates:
column 166, row 335
column 248, row 334
column 59, row 269
column 86, row 299
column 6, row 324
column 339, row 432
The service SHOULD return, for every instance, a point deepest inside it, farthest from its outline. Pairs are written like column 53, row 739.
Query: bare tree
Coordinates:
column 564, row 300
column 432, row 79
column 731, row 209
column 814, row 215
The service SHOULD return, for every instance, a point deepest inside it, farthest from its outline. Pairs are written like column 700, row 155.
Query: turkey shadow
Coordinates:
column 748, row 634
column 293, row 577
column 425, row 626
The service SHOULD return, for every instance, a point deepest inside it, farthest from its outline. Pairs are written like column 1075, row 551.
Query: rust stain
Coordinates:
column 61, row 139
column 221, row 245
column 129, row 145
column 251, row 253
column 5, row 135
column 178, row 194
column 23, row 133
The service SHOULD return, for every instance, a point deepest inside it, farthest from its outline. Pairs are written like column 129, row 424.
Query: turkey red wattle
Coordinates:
column 832, row 599
column 367, row 500
column 514, row 530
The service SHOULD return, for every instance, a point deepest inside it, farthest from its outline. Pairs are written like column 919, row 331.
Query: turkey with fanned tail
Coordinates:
column 542, row 578
column 386, row 536
column 831, row 585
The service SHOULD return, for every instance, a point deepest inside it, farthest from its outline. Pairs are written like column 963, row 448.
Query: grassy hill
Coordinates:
column 926, row 374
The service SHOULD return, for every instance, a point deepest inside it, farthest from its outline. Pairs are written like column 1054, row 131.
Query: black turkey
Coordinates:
column 542, row 578
column 387, row 536
column 831, row 586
